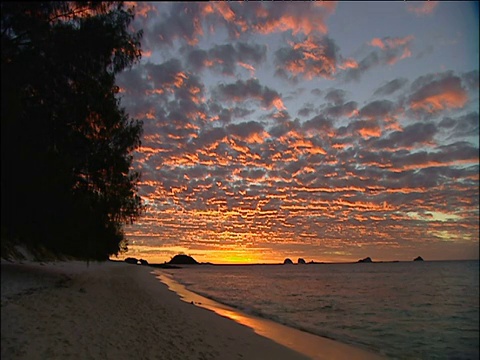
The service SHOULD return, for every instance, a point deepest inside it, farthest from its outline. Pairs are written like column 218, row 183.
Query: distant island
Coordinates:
column 182, row 259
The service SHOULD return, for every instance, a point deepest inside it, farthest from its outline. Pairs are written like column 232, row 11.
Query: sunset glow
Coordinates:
column 328, row 131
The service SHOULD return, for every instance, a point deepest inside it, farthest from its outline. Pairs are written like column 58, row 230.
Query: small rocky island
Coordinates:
column 418, row 258
column 366, row 260
column 301, row 261
column 182, row 259
column 287, row 261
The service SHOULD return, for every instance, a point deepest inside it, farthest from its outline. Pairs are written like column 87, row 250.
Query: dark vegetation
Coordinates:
column 66, row 179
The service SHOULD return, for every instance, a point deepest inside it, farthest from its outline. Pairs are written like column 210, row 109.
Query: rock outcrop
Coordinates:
column 131, row 260
column 287, row 261
column 183, row 260
column 301, row 261
column 366, row 260
column 418, row 258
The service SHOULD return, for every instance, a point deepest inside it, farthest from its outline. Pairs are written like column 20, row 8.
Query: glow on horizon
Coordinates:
column 329, row 131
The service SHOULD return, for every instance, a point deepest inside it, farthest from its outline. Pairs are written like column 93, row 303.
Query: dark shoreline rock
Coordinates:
column 131, row 260
column 366, row 260
column 418, row 258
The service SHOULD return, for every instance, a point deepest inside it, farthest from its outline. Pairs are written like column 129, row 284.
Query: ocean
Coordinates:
column 401, row 310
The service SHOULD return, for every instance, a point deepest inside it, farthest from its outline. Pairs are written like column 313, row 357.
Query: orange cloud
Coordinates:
column 248, row 67
column 224, row 9
column 292, row 22
column 348, row 64
column 424, row 8
column 388, row 44
column 278, row 103
column 142, row 8
column 378, row 43
column 266, row 18
column 314, row 57
column 452, row 98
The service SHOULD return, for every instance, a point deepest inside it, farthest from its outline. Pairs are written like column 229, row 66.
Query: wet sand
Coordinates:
column 114, row 310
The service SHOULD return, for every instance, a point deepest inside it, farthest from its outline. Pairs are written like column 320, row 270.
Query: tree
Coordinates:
column 66, row 180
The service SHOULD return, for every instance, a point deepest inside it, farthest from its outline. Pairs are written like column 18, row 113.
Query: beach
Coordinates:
column 113, row 310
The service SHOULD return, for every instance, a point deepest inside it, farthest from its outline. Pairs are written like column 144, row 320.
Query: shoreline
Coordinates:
column 110, row 310
column 313, row 346
column 66, row 310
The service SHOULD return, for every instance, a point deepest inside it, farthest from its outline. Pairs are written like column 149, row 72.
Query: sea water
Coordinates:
column 403, row 310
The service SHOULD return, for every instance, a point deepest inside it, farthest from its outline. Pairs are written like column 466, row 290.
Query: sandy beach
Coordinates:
column 113, row 310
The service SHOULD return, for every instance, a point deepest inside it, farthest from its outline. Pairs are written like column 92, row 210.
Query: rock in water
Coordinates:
column 131, row 260
column 183, row 259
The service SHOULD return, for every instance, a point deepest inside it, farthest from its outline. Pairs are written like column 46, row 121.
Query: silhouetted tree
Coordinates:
column 66, row 142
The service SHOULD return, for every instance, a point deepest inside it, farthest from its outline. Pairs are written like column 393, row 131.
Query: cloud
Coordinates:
column 422, row 7
column 365, row 128
column 394, row 49
column 250, row 89
column 187, row 22
column 471, row 80
column 348, row 109
column 337, row 96
column 434, row 93
column 251, row 131
column 306, row 110
column 209, row 138
column 391, row 50
column 284, row 128
column 348, row 64
column 175, row 21
column 368, row 62
column 319, row 124
column 462, row 126
column 226, row 162
column 390, row 87
column 447, row 155
column 227, row 58
column 266, row 18
column 167, row 75
column 415, row 135
column 226, row 115
column 379, row 109
column 312, row 58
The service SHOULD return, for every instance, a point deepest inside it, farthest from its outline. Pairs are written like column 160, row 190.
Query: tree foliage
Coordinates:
column 66, row 143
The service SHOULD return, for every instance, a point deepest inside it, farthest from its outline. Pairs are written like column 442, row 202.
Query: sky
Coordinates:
column 328, row 131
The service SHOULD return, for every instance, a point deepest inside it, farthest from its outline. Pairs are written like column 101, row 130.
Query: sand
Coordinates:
column 113, row 310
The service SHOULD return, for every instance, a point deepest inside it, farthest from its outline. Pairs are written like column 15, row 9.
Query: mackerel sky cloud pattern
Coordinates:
column 269, row 131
